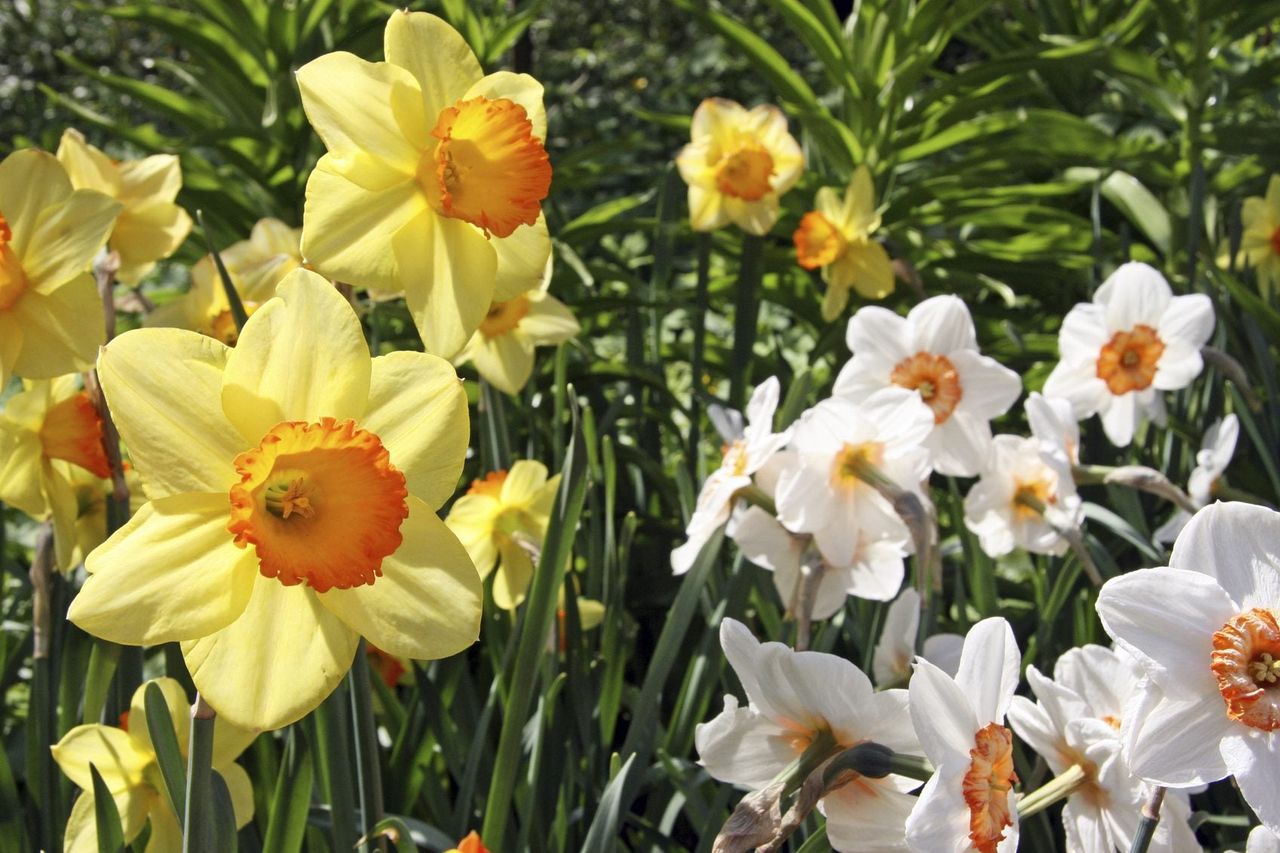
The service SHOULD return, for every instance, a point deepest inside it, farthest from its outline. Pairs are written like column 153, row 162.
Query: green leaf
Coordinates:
column 291, row 799
column 1140, row 207
column 608, row 819
column 110, row 833
column 164, row 740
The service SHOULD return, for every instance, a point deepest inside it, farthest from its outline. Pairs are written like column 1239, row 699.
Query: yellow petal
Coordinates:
column 10, row 344
column 834, row 300
column 590, row 613
column 82, row 825
column 871, row 270
column 525, row 479
column 522, row 260
column 61, row 331
column 87, row 167
column 860, row 203
column 426, row 605
column 359, row 107
column 348, row 228
column 145, row 233
column 515, row 570
column 120, row 759
column 21, row 458
column 518, row 88
column 66, row 237
column 30, row 182
column 166, row 832
column 175, row 702
column 241, row 790
column 715, row 117
column 164, row 387
column 277, row 662
column 450, row 271
column 549, row 321
column 435, row 54
column 64, row 508
column 418, row 408
column 472, row 519
column 154, row 178
column 302, row 356
column 754, row 217
column 505, row 362
column 173, row 572
column 707, row 210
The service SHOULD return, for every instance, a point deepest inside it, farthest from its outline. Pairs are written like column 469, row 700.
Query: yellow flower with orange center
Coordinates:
column 836, row 237
column 150, row 226
column 293, row 484
column 50, row 441
column 434, row 179
column 502, row 520
column 1260, row 240
column 50, row 311
column 737, row 165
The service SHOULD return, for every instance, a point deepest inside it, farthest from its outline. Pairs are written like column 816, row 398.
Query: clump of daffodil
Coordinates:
column 150, row 226
column 502, row 520
column 1260, row 242
column 50, row 312
column 737, row 165
column 50, row 445
column 255, row 265
column 293, row 484
column 837, row 237
column 502, row 348
column 434, row 177
column 127, row 763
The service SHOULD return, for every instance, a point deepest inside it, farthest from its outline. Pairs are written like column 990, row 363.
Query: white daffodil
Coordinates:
column 1024, row 498
column 1134, row 340
column 1054, row 424
column 1262, row 840
column 742, row 458
column 933, row 351
column 1215, row 454
column 1205, row 630
column 969, row 802
column 1077, row 721
column 801, row 701
column 825, row 490
column 891, row 661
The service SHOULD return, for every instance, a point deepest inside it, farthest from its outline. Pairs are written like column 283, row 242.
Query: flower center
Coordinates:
column 13, row 281
column 851, row 461
column 503, row 317
column 735, row 458
column 1112, row 721
column 320, row 502
column 72, row 430
column 1030, row 497
column 987, row 786
column 818, row 241
column 934, row 378
column 1128, row 361
column 488, row 168
column 223, row 326
column 1245, row 662
column 745, row 173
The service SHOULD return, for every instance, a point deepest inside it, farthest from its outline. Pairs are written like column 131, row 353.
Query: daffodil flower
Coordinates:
column 470, row 844
column 150, row 226
column 836, row 236
column 1215, row 454
column 1024, row 498
column 737, row 165
column 293, row 484
column 500, row 519
column 1133, row 341
column 433, row 181
column 1053, row 423
column 1206, row 632
column 891, row 660
column 968, row 804
column 255, row 265
column 126, row 760
column 49, row 432
column 502, row 348
column 1260, row 240
column 50, row 311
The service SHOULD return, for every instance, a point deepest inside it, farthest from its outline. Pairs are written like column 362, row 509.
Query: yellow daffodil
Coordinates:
column 150, row 225
column 255, row 265
column 50, row 312
column 470, row 844
column 1260, row 243
column 92, row 495
column 126, row 760
column 502, row 348
column 293, row 484
column 49, row 432
column 739, row 162
column 434, row 179
column 500, row 520
column 837, row 237
column 590, row 615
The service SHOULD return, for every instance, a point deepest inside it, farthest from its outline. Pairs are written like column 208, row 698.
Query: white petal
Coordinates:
column 1175, row 740
column 1251, row 758
column 880, row 332
column 988, row 672
column 1239, row 545
column 1120, row 418
column 1133, row 294
column 1077, row 382
column 741, row 747
column 941, row 325
column 941, row 713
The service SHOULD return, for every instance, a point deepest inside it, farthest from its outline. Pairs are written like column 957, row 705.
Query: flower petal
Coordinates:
column 942, row 325
column 867, row 815
column 452, row 270
column 740, row 747
column 240, row 787
column 33, row 180
column 941, row 713
column 426, row 605
column 81, row 835
column 435, row 54
column 1136, row 293
column 988, row 672
column 707, row 210
column 61, row 331
column 66, row 237
column 20, row 469
column 1174, row 740
column 87, row 167
column 146, row 232
column 302, row 356
column 119, row 758
column 1239, row 545
column 518, row 88
column 11, row 338
column 515, row 573
column 505, row 362
column 522, row 260
column 173, row 572
column 549, row 321
column 754, row 217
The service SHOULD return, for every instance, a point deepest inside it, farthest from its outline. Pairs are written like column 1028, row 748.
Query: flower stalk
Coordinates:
column 1072, row 535
column 1150, row 820
column 1058, row 788
column 198, row 827
column 1138, row 477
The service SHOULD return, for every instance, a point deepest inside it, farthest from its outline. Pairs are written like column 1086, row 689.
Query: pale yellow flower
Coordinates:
column 737, row 165
column 150, row 226
column 502, row 348
column 1260, row 243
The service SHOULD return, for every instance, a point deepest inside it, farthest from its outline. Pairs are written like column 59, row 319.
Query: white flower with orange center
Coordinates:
column 1077, row 722
column 737, row 165
column 1215, row 454
column 1205, row 632
column 1133, row 341
column 891, row 660
column 840, row 448
column 293, row 485
column 836, row 237
column 799, row 699
column 743, row 457
column 933, row 351
column 1025, row 498
column 969, row 804
column 434, row 177
column 1053, row 423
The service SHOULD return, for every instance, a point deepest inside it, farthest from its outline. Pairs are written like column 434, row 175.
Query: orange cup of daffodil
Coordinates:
column 293, row 484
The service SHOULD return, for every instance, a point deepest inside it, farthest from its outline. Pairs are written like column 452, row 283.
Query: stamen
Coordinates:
column 292, row 498
column 1246, row 663
column 855, row 463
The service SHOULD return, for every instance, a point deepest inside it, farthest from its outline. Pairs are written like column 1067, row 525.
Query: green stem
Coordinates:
column 197, row 832
column 753, row 494
column 1150, row 820
column 1058, row 788
column 369, row 779
column 746, row 315
column 697, row 358
column 818, row 752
